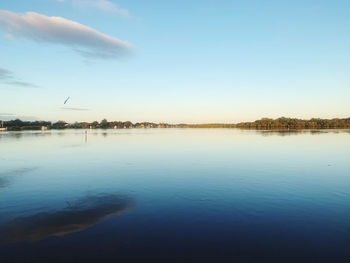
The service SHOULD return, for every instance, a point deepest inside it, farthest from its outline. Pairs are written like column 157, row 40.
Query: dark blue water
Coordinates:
column 175, row 195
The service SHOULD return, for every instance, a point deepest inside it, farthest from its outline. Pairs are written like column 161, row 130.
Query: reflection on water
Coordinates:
column 106, row 132
column 77, row 216
column 295, row 132
column 8, row 176
column 17, row 171
column 202, row 195
column 72, row 145
column 3, row 182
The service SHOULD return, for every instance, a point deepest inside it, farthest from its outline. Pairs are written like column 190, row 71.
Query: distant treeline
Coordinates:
column 17, row 125
column 290, row 123
column 262, row 124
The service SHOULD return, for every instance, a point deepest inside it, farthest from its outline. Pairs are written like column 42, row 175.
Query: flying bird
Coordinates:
column 66, row 100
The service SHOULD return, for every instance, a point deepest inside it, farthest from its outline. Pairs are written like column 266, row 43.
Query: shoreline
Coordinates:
column 281, row 123
column 236, row 128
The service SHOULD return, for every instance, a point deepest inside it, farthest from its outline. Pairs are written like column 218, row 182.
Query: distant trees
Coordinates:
column 262, row 124
column 104, row 124
column 59, row 125
column 79, row 125
column 25, row 125
column 128, row 124
column 294, row 124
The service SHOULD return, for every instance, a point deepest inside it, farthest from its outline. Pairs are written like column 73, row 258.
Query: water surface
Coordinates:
column 175, row 195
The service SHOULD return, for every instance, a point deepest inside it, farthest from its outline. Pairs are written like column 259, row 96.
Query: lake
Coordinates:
column 175, row 195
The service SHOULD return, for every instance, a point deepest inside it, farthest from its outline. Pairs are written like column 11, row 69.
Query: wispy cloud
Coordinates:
column 22, row 84
column 8, row 78
column 5, row 74
column 74, row 109
column 57, row 30
column 102, row 5
column 8, row 117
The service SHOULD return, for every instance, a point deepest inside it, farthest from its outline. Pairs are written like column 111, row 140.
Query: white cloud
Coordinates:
column 57, row 30
column 103, row 5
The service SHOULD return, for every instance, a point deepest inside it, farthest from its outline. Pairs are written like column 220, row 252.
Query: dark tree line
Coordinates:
column 295, row 124
column 104, row 124
column 26, row 125
column 262, row 124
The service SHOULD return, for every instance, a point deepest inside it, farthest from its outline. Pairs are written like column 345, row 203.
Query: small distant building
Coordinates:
column 43, row 128
column 2, row 128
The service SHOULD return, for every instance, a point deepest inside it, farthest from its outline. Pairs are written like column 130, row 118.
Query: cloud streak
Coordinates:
column 8, row 76
column 22, row 84
column 5, row 74
column 102, row 5
column 7, row 117
column 87, row 41
column 75, row 109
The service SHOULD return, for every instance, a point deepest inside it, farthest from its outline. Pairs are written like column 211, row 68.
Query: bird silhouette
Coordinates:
column 66, row 100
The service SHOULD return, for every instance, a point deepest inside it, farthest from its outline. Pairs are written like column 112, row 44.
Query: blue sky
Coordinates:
column 174, row 61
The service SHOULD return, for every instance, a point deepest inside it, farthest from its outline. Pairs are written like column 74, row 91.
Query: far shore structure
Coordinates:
column 2, row 128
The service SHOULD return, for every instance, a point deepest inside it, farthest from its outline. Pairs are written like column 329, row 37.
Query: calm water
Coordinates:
column 175, row 195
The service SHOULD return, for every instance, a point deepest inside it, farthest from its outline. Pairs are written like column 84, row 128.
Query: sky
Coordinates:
column 174, row 61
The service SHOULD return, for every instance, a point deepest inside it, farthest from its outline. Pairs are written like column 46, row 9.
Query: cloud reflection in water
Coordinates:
column 3, row 182
column 7, row 177
column 77, row 216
